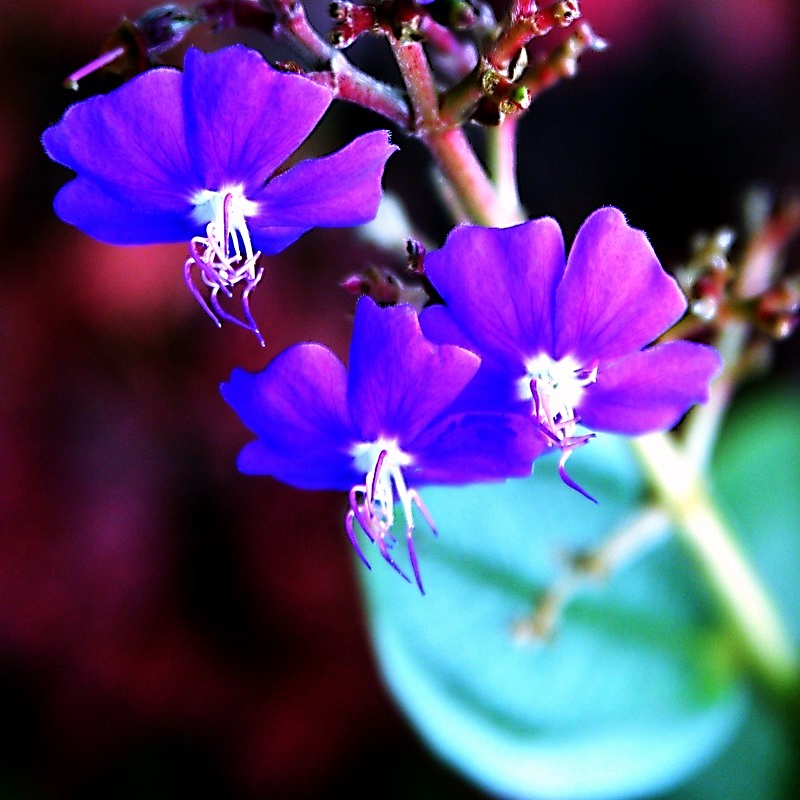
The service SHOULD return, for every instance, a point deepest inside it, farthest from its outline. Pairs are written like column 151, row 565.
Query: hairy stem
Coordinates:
column 347, row 81
column 501, row 150
column 449, row 145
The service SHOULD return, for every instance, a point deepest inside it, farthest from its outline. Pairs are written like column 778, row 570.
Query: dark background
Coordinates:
column 170, row 628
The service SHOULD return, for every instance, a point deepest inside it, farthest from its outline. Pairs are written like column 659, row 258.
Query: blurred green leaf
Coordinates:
column 637, row 691
column 758, row 766
column 757, row 476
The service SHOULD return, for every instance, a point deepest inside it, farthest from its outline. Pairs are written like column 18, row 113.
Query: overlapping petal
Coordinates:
column 341, row 189
column 499, row 286
column 615, row 297
column 86, row 205
column 243, row 117
column 577, row 331
column 131, row 143
column 650, row 390
column 297, row 408
column 399, row 381
column 470, row 448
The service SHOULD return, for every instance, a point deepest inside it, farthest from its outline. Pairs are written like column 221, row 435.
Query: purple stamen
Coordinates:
column 569, row 481
column 210, row 275
column 554, row 429
column 226, row 212
column 216, row 274
column 351, row 534
column 103, row 60
column 375, row 477
column 412, row 556
column 417, row 500
column 246, row 306
column 187, row 277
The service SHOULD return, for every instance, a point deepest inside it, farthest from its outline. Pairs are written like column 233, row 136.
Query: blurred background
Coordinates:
column 170, row 628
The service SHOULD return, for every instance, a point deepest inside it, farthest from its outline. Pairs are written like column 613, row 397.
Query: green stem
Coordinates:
column 750, row 611
column 501, row 153
column 703, row 422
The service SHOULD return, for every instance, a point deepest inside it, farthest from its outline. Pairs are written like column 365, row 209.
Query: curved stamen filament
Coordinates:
column 372, row 506
column 221, row 265
column 555, row 387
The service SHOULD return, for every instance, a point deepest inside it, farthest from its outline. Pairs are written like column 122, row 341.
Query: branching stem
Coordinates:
column 681, row 490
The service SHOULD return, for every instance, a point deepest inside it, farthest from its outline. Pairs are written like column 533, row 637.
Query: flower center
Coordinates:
column 556, row 388
column 372, row 503
column 224, row 257
column 224, row 213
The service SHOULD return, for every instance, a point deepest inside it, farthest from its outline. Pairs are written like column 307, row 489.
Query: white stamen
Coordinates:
column 224, row 257
column 559, row 387
column 372, row 504
column 390, row 477
column 210, row 210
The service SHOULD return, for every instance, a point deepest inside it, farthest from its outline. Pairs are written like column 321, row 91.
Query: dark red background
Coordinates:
column 169, row 627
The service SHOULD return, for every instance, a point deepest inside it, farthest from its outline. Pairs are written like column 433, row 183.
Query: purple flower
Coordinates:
column 563, row 338
column 191, row 156
column 380, row 430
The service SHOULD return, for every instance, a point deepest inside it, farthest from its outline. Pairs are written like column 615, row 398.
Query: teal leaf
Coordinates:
column 757, row 477
column 636, row 692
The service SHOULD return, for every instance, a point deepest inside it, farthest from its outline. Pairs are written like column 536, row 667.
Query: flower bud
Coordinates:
column 129, row 50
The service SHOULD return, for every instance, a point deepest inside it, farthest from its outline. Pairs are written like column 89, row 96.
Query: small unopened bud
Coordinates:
column 705, row 308
column 587, row 39
column 385, row 287
column 518, row 99
column 163, row 27
column 559, row 15
column 461, row 15
column 351, row 20
column 415, row 256
column 130, row 49
column 708, row 293
column 566, row 12
column 777, row 309
column 724, row 238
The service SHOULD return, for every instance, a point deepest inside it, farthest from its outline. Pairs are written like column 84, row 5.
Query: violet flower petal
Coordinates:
column 615, row 297
column 272, row 239
column 494, row 389
column 500, row 284
column 338, row 190
column 297, row 407
column 399, row 381
column 650, row 390
column 131, row 143
column 243, row 117
column 468, row 448
column 87, row 206
column 438, row 325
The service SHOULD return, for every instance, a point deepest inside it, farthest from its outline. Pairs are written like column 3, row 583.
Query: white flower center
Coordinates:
column 383, row 476
column 372, row 504
column 224, row 257
column 556, row 389
column 224, row 213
